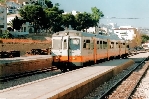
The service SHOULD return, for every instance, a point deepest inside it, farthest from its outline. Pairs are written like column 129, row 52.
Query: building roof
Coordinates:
column 13, row 15
column 124, row 28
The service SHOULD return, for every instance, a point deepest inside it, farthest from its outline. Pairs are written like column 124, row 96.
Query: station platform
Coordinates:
column 70, row 85
column 18, row 65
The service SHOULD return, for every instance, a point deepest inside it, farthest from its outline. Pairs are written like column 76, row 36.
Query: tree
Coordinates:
column 6, row 34
column 35, row 14
column 17, row 23
column 53, row 19
column 145, row 38
column 48, row 3
column 68, row 19
column 57, row 4
column 2, row 1
column 9, row 29
column 96, row 15
column 84, row 21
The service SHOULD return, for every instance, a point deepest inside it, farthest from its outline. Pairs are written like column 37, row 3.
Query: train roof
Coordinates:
column 112, row 36
column 73, row 33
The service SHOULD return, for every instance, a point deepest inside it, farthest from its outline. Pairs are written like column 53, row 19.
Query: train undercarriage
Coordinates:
column 65, row 66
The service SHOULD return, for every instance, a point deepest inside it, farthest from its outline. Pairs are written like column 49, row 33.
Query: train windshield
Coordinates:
column 57, row 44
column 74, row 43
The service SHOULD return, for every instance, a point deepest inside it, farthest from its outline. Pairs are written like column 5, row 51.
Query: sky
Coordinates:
column 112, row 8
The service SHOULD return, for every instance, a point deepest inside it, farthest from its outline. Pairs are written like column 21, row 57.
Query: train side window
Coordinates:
column 88, row 44
column 65, row 44
column 84, row 44
column 87, row 41
column 104, row 45
column 57, row 44
column 123, row 45
column 117, row 45
column 120, row 45
column 100, row 44
column 112, row 45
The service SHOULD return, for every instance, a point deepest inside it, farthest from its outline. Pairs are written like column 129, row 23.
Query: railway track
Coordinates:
column 28, row 73
column 27, row 77
column 127, row 87
column 122, row 85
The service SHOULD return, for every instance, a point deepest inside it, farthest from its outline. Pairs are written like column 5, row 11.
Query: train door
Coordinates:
column 95, row 49
column 65, row 48
column 108, row 49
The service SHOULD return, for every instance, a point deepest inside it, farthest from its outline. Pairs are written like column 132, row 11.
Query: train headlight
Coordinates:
column 56, row 57
column 66, row 33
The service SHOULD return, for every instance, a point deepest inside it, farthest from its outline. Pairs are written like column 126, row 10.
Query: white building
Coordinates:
column 3, row 18
column 42, row 2
column 109, row 28
column 11, row 17
column 91, row 30
column 12, row 7
column 25, row 30
column 113, row 25
column 125, row 33
column 24, row 2
column 73, row 12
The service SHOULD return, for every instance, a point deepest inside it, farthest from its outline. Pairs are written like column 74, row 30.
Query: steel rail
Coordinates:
column 103, row 96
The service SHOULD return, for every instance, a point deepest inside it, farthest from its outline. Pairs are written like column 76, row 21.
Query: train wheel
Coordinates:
column 64, row 70
column 63, row 67
column 71, row 68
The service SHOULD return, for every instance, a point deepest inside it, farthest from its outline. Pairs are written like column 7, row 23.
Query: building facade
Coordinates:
column 3, row 18
column 130, row 34
column 42, row 2
column 125, row 33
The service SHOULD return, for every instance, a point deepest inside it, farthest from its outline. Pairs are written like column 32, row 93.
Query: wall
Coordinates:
column 23, row 47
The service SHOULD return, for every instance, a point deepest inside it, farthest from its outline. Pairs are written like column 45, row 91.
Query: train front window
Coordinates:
column 57, row 44
column 74, row 43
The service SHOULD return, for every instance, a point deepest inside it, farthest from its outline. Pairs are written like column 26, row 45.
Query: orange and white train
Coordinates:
column 72, row 49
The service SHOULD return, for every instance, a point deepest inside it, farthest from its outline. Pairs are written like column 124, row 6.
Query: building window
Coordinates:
column 21, row 29
column 24, row 29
